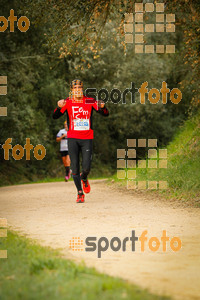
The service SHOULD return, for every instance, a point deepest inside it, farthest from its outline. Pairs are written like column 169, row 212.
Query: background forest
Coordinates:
column 85, row 39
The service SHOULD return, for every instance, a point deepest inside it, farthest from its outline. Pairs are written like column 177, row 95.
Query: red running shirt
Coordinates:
column 79, row 115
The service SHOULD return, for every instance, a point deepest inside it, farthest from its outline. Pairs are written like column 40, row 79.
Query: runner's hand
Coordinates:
column 101, row 104
column 61, row 103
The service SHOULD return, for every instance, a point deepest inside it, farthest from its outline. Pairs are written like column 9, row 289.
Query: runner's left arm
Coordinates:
column 101, row 110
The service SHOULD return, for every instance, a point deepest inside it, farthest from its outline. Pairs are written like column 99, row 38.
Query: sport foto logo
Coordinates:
column 134, row 24
column 23, row 23
column 127, row 164
column 116, row 244
column 154, row 95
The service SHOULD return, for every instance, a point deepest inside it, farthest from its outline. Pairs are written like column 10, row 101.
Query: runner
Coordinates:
column 62, row 138
column 79, row 111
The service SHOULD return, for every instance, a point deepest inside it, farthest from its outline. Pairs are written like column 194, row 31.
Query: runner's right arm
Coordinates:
column 59, row 111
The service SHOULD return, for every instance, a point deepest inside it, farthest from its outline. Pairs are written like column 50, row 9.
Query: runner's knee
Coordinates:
column 85, row 173
column 75, row 170
column 75, row 173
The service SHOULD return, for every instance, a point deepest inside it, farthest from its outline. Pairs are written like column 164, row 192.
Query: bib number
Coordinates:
column 81, row 124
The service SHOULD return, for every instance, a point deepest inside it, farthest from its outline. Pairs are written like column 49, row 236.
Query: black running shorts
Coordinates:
column 64, row 153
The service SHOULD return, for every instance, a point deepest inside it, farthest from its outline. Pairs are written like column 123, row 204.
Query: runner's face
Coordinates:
column 77, row 91
column 66, row 127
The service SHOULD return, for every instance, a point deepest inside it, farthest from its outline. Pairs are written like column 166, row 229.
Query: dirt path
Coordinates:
column 48, row 212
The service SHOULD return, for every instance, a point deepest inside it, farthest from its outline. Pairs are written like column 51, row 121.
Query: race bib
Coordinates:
column 81, row 124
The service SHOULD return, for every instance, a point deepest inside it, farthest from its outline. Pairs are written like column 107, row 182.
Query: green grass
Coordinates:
column 183, row 173
column 49, row 179
column 13, row 174
column 35, row 272
column 184, row 157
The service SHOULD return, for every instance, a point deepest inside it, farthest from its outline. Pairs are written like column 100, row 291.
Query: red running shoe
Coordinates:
column 86, row 186
column 80, row 198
